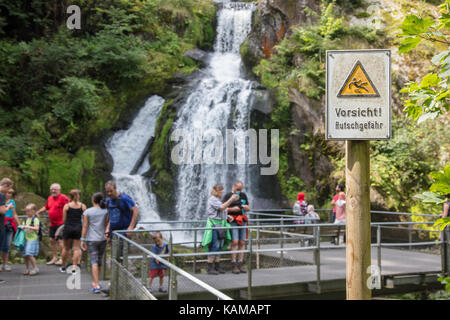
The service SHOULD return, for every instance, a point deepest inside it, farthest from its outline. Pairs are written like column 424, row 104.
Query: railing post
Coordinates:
column 173, row 284
column 281, row 243
column 103, row 268
column 445, row 253
column 258, row 245
column 115, row 268
column 125, row 254
column 144, row 269
column 379, row 247
column 410, row 232
column 195, row 252
column 318, row 258
column 249, row 265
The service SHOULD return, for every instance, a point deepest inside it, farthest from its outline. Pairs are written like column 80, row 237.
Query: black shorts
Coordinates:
column 52, row 232
column 72, row 232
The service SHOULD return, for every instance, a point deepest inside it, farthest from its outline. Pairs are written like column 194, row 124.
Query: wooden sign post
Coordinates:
column 358, row 110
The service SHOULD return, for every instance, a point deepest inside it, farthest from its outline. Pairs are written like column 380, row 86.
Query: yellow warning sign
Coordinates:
column 358, row 84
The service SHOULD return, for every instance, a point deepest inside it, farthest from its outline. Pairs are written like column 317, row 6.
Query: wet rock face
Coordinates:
column 273, row 21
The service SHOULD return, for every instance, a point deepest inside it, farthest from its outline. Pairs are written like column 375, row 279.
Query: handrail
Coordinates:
column 373, row 224
column 197, row 281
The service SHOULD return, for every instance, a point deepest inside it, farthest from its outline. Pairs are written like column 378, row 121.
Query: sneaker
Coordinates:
column 149, row 289
column 62, row 270
column 34, row 272
column 6, row 268
column 95, row 290
column 161, row 289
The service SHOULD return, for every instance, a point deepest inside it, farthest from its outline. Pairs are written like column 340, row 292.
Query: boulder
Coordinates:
column 197, row 55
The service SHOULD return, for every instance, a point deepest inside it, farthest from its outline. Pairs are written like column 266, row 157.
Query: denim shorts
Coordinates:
column 216, row 244
column 5, row 243
column 31, row 248
column 96, row 250
column 238, row 234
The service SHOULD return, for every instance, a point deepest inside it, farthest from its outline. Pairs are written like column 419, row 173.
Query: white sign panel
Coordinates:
column 358, row 93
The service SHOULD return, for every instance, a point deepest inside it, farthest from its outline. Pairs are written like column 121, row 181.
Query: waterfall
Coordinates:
column 127, row 148
column 221, row 101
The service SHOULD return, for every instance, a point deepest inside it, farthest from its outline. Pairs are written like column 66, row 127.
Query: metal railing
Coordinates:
column 124, row 276
column 260, row 246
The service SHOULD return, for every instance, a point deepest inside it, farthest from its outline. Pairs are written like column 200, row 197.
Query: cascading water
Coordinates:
column 221, row 101
column 126, row 148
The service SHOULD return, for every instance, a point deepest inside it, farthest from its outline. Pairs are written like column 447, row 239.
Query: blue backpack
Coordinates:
column 119, row 219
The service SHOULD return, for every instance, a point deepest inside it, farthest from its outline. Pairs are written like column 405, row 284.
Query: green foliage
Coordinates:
column 61, row 89
column 299, row 63
column 428, row 98
column 399, row 167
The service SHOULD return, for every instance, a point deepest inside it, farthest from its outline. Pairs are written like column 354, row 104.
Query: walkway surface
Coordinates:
column 49, row 284
column 332, row 267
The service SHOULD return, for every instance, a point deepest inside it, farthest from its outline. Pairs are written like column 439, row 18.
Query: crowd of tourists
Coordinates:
column 73, row 227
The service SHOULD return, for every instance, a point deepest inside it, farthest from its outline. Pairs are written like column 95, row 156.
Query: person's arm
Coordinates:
column 85, row 226
column 84, row 231
column 16, row 217
column 134, row 219
column 66, row 207
column 446, row 209
column 44, row 208
column 35, row 227
column 227, row 203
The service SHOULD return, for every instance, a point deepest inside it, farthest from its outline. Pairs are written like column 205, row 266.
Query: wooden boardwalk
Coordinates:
column 49, row 284
column 282, row 281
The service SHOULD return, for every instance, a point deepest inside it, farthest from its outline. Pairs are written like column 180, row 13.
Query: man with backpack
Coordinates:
column 122, row 210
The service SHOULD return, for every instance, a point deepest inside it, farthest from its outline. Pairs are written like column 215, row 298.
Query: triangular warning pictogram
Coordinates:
column 358, row 84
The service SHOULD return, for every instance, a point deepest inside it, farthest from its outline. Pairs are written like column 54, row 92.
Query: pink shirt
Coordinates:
column 340, row 211
column 335, row 198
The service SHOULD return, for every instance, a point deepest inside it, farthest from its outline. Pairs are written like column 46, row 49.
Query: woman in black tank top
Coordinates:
column 72, row 219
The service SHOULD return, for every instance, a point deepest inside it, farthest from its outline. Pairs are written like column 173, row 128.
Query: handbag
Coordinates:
column 9, row 227
column 221, row 233
column 19, row 239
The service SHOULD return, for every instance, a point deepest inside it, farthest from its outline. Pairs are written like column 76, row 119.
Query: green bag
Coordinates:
column 19, row 239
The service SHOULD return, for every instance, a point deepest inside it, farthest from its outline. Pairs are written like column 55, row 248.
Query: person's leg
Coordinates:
column 149, row 283
column 241, row 246
column 211, row 257
column 59, row 245
column 161, row 281
column 93, row 252
column 54, row 253
column 33, row 262
column 27, row 263
column 64, row 252
column 76, row 252
column 7, row 247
